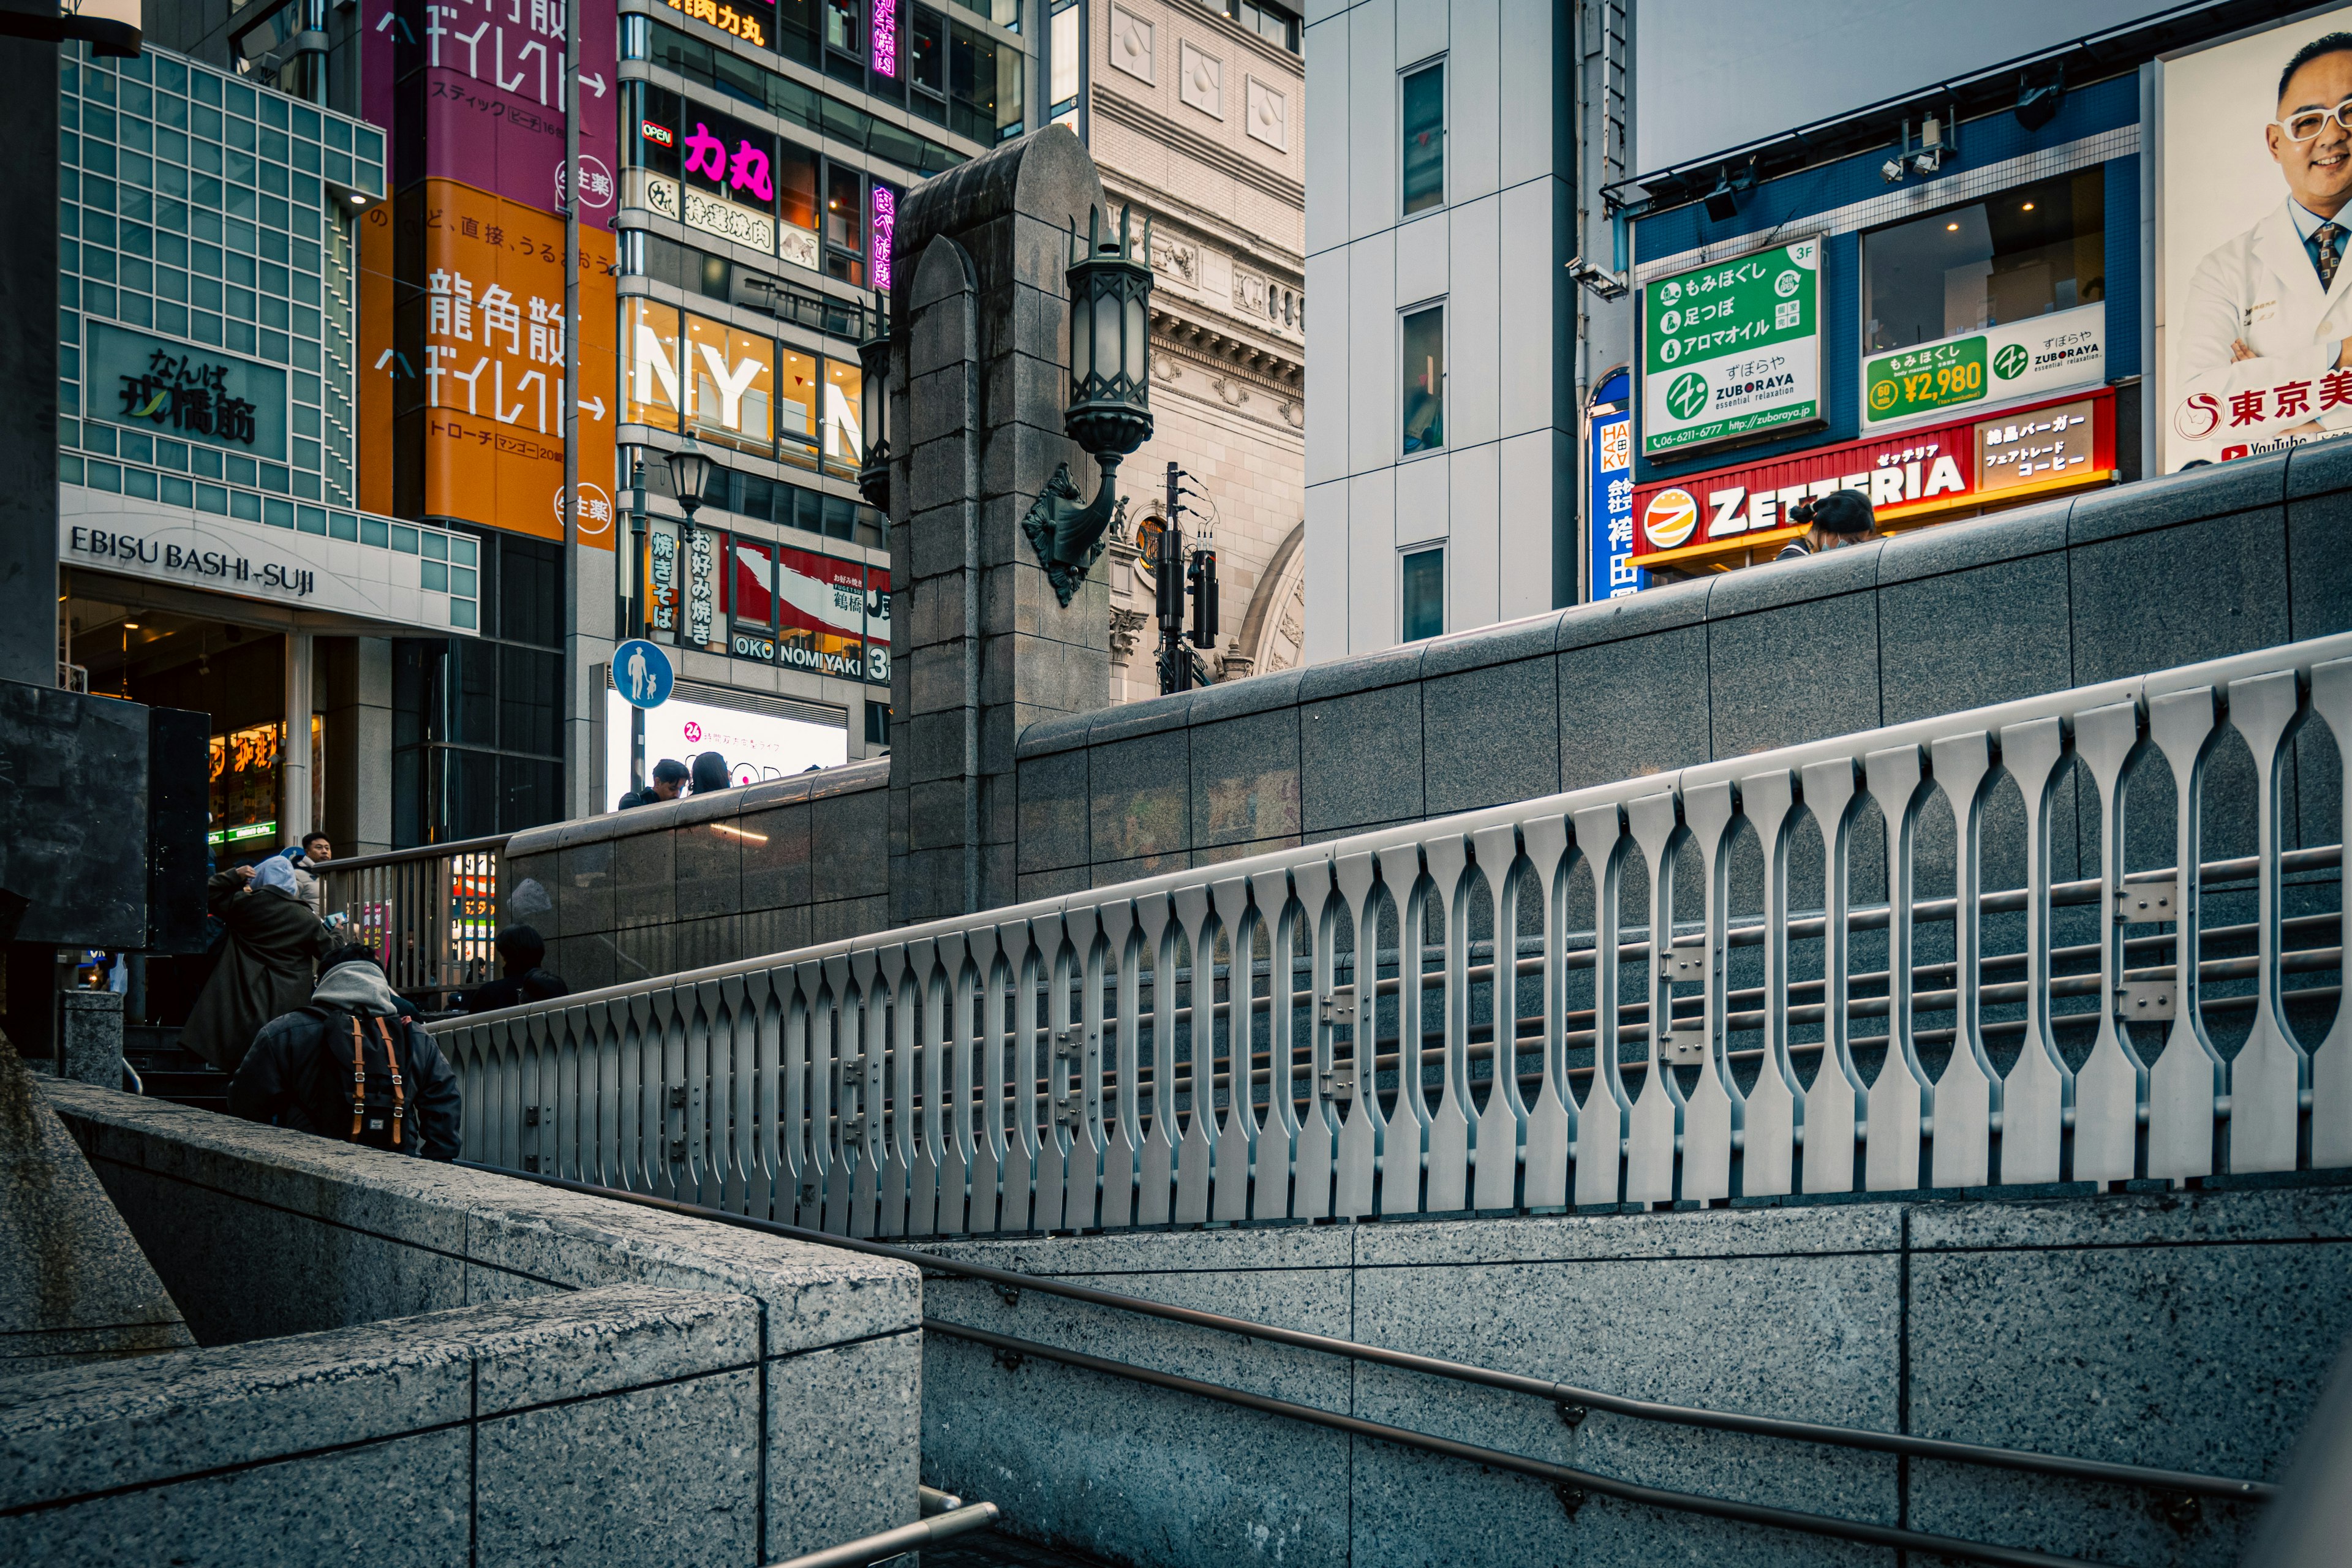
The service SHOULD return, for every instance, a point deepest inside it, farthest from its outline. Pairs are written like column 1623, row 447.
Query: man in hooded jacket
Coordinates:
column 266, row 965
column 298, row 1073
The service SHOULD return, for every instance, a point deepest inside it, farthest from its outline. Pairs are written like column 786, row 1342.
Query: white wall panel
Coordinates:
column 1373, row 433
column 1474, row 108
column 1527, row 89
column 1327, row 572
column 1372, row 152
column 1527, row 253
column 1421, row 259
column 1532, row 475
column 1474, row 565
column 1327, row 330
column 1371, row 562
column 1420, row 29
column 1420, row 499
column 1327, row 135
column 1473, row 325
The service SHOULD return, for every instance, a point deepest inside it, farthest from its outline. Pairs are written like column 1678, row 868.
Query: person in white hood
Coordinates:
column 350, row 1067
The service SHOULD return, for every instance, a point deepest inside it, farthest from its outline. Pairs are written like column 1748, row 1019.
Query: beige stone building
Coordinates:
column 1194, row 110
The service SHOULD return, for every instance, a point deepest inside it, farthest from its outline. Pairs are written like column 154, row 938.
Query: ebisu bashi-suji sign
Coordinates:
column 1732, row 351
column 184, row 391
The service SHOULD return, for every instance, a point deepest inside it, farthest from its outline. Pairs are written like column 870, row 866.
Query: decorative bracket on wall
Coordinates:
column 1069, row 538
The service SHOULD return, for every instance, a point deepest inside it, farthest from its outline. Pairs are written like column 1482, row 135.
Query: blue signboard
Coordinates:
column 1609, row 470
column 641, row 673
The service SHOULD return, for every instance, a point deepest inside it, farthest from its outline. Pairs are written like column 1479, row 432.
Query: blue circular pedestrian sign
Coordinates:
column 641, row 673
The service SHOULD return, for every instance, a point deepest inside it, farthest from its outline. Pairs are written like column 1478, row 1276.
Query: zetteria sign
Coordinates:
column 2033, row 358
column 160, row 544
column 1732, row 351
column 1921, row 472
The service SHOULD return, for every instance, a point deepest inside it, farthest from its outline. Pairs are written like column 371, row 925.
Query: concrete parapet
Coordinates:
column 2192, row 1330
column 266, row 1233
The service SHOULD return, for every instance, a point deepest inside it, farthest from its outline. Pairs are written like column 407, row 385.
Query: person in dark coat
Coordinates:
column 298, row 1073
column 711, row 772
column 1837, row 520
column 267, row 964
column 522, row 951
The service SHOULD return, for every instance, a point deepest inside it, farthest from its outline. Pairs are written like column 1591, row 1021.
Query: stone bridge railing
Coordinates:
column 1844, row 966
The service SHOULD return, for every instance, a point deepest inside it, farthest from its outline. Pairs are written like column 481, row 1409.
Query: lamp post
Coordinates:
column 689, row 470
column 1109, row 412
column 874, row 412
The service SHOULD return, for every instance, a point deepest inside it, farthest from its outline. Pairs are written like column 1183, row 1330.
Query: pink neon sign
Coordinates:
column 886, row 227
column 886, row 38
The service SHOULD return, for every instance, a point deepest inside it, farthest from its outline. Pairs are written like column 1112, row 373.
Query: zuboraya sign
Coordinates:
column 1732, row 351
column 2033, row 358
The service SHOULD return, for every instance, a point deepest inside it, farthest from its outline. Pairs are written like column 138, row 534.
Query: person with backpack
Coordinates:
column 350, row 1067
column 521, row 952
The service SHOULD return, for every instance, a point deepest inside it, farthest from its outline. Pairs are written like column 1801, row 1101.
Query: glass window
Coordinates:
column 927, row 54
column 1063, row 54
column 1424, row 138
column 796, row 186
column 753, row 589
column 1423, row 573
column 845, row 442
column 732, row 375
column 823, row 623
column 796, row 413
column 1424, row 379
column 844, row 26
column 845, row 207
column 649, row 365
column 2026, row 252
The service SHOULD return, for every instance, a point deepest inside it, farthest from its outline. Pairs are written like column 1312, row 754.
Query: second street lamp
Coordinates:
column 1109, row 412
column 874, row 410
column 689, row 472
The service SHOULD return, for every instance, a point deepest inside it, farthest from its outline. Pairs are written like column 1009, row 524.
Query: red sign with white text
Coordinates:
column 2020, row 452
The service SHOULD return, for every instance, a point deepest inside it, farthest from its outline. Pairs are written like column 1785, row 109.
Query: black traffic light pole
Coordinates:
column 1175, row 660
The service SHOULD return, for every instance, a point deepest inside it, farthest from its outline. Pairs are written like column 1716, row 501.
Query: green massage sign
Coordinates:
column 1732, row 351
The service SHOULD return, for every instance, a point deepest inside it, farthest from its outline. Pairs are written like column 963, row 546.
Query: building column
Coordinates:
column 356, row 677
column 28, row 349
column 294, row 753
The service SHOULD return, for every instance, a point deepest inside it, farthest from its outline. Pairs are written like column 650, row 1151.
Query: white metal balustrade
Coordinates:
column 1026, row 1069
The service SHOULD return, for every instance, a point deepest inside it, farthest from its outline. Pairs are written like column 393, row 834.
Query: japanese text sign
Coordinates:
column 1731, row 350
column 184, row 391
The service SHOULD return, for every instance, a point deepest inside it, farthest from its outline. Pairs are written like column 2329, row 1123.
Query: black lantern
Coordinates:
column 1109, row 414
column 873, row 411
column 689, row 470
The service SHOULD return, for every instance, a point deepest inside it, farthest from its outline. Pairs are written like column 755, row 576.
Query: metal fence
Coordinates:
column 1949, row 953
column 430, row 913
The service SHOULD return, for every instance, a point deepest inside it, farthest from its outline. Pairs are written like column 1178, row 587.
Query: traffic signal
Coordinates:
column 1203, row 584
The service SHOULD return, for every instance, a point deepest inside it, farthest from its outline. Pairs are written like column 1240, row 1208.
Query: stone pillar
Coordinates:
column 979, row 379
column 28, row 349
column 357, row 682
column 91, row 1051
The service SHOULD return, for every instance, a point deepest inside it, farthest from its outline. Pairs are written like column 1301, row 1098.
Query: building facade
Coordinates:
column 1441, row 214
column 1193, row 113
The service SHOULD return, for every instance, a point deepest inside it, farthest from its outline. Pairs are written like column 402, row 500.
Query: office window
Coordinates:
column 649, row 363
column 732, row 377
column 1270, row 22
column 1424, row 138
column 2028, row 251
column 1065, row 56
column 1424, row 379
column 877, row 723
column 1424, row 575
column 845, row 442
column 845, row 207
column 796, row 410
column 843, row 25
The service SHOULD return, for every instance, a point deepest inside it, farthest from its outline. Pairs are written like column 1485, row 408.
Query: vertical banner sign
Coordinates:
column 1609, row 463
column 1732, row 351
column 461, row 274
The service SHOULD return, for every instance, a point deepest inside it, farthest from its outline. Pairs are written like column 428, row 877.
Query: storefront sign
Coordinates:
column 740, row 21
column 2034, row 358
column 1915, row 475
column 184, row 390
column 1732, row 351
column 1609, row 462
column 757, row 746
column 102, row 531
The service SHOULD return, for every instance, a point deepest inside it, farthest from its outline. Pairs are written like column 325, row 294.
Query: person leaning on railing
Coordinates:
column 266, row 965
column 1838, row 519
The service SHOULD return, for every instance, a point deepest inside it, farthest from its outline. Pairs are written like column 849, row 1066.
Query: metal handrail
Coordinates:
column 1572, row 1483
column 1568, row 1397
column 906, row 1538
column 489, row 843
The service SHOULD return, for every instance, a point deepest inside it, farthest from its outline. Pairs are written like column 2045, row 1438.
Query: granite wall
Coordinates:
column 2192, row 1330
column 790, row 1415
column 2118, row 582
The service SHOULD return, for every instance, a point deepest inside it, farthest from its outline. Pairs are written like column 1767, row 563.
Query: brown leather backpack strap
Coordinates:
column 359, row 1080
column 399, row 1094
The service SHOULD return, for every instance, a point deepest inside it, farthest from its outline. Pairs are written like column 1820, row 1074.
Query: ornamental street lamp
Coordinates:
column 1109, row 413
column 689, row 471
column 873, row 411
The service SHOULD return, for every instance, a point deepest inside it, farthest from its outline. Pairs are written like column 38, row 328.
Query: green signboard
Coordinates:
column 1732, row 351
column 1918, row 380
column 187, row 392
